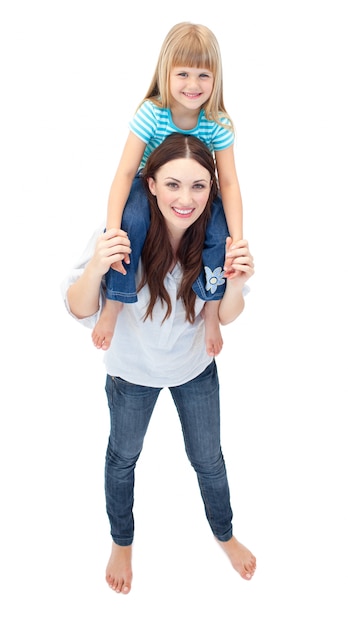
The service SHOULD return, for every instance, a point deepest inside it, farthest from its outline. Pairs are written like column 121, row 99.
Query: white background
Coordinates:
column 72, row 73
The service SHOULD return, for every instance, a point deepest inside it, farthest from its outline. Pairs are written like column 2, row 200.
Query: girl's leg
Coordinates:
column 210, row 285
column 135, row 222
column 122, row 287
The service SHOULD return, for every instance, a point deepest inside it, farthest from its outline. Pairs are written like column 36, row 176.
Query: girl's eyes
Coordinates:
column 185, row 75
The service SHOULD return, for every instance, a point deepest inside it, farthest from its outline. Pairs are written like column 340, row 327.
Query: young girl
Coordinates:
column 186, row 96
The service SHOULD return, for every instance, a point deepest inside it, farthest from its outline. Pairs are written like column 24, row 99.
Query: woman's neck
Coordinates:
column 174, row 239
column 175, row 236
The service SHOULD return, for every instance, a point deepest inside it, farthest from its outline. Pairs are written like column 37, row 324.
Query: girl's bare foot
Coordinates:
column 213, row 341
column 213, row 337
column 241, row 558
column 104, row 329
column 119, row 569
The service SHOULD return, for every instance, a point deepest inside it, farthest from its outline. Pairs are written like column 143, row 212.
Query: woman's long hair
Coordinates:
column 189, row 45
column 157, row 254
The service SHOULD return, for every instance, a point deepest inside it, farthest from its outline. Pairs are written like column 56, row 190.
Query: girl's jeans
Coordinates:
column 198, row 406
column 210, row 285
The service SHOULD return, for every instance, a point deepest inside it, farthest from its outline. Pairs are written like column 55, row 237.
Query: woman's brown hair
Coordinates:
column 157, row 254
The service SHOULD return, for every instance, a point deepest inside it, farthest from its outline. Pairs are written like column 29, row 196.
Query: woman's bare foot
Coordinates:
column 213, row 337
column 104, row 329
column 241, row 558
column 119, row 569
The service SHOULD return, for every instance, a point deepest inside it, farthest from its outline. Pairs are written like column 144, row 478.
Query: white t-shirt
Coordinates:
column 151, row 353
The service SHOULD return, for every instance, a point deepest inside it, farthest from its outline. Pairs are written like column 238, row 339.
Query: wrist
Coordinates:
column 94, row 272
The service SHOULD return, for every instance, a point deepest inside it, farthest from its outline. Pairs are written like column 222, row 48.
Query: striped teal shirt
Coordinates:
column 152, row 125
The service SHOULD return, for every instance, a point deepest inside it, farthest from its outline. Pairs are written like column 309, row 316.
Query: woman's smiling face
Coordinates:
column 182, row 189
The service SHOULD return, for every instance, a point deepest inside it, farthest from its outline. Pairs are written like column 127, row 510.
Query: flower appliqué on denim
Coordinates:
column 214, row 278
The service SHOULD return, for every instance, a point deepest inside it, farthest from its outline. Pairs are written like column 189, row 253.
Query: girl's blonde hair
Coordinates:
column 189, row 45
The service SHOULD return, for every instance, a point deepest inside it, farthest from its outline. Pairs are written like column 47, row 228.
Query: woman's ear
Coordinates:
column 152, row 185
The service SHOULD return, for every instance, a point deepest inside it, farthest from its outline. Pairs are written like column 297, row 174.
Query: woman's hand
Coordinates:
column 112, row 247
column 239, row 267
column 239, row 263
column 84, row 294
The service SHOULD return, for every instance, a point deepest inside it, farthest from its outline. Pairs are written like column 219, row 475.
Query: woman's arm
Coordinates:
column 242, row 264
column 83, row 295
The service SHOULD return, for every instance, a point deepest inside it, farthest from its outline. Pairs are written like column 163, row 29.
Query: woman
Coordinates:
column 154, row 337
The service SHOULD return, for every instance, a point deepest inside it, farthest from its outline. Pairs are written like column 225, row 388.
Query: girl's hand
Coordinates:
column 111, row 248
column 239, row 263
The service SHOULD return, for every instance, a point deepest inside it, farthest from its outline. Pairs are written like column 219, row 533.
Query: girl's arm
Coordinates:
column 83, row 295
column 242, row 263
column 230, row 192
column 128, row 166
column 121, row 185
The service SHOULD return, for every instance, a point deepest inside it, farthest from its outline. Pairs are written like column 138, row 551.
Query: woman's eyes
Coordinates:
column 195, row 186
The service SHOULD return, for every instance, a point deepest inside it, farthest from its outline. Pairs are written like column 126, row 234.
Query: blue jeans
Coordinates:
column 210, row 285
column 198, row 406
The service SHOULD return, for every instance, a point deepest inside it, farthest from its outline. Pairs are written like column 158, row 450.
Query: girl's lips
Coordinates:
column 191, row 95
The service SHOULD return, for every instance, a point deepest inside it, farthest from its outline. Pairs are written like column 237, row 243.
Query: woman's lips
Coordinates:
column 182, row 212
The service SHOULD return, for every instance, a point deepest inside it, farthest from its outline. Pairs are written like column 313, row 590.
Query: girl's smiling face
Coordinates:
column 191, row 87
column 182, row 189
